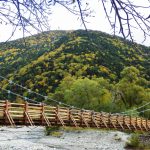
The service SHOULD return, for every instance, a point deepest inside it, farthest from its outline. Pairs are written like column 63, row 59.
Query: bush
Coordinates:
column 49, row 130
column 135, row 143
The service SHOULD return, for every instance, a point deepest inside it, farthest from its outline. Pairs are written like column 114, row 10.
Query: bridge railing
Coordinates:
column 40, row 114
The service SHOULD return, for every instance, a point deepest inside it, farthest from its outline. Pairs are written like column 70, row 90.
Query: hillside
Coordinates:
column 40, row 62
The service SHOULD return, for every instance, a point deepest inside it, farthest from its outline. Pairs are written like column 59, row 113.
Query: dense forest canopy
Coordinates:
column 90, row 70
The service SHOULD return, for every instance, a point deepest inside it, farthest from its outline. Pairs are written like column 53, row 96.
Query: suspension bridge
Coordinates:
column 33, row 113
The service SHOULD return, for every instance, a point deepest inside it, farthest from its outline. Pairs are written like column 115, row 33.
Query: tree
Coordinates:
column 65, row 84
column 131, row 89
column 130, row 74
column 121, row 14
column 85, row 93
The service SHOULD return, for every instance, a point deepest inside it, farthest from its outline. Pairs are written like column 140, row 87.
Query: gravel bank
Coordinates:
column 33, row 138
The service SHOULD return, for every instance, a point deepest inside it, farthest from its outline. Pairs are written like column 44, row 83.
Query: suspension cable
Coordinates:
column 135, row 108
column 56, row 101
column 30, row 91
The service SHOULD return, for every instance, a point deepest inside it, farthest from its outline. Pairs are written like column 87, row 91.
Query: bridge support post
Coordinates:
column 147, row 126
column 5, row 112
column 58, row 117
column 81, row 118
column 57, row 113
column 69, row 111
column 7, row 116
column 25, row 112
column 141, row 123
column 124, row 122
column 27, row 118
column 131, row 122
column 136, row 122
column 42, row 113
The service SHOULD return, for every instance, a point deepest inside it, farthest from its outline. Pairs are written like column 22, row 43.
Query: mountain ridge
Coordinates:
column 43, row 60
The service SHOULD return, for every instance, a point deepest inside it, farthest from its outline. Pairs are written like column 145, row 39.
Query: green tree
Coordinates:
column 130, row 88
column 64, row 85
column 130, row 74
column 85, row 93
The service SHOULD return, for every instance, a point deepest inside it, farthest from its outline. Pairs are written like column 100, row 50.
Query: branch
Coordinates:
column 125, row 14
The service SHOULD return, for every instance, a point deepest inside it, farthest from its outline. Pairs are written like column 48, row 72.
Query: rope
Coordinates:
column 140, row 111
column 25, row 98
column 125, row 112
column 56, row 101
column 30, row 91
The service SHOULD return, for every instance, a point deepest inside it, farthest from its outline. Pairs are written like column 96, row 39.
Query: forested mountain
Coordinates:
column 41, row 62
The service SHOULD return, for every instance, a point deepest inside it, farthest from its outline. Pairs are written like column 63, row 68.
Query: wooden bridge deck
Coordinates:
column 35, row 114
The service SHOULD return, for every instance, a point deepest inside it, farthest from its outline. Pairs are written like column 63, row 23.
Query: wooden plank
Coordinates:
column 17, row 104
column 58, row 117
column 93, row 120
column 111, row 121
column 143, row 124
column 102, row 120
column 73, row 120
column 126, row 122
column 7, row 114
column 120, row 122
column 46, row 120
column 29, row 119
column 13, row 111
column 32, row 104
column 42, row 114
column 15, row 115
column 84, row 121
column 34, row 108
column 49, row 107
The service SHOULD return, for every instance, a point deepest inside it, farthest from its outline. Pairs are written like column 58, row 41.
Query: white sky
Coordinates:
column 61, row 19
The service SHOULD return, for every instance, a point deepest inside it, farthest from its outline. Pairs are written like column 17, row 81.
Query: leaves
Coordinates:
column 102, row 73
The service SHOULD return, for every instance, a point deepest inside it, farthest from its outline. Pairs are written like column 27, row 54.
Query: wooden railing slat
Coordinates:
column 40, row 114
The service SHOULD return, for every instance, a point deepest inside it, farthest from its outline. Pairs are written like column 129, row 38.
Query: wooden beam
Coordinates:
column 27, row 118
column 27, row 113
column 58, row 117
column 118, row 122
column 93, row 119
column 43, row 116
column 7, row 115
column 71, row 119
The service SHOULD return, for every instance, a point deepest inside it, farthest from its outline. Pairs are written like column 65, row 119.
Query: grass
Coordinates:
column 53, row 131
column 56, row 134
column 71, row 129
column 56, row 131
column 135, row 143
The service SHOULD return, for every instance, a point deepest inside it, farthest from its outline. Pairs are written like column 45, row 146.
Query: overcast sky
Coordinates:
column 61, row 19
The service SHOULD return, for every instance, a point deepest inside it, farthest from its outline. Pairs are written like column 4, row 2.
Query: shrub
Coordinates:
column 133, row 141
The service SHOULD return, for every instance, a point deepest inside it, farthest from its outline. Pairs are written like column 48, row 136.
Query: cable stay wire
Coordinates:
column 31, row 100
column 56, row 101
column 25, row 98
column 45, row 97
column 125, row 112
column 140, row 111
column 30, row 91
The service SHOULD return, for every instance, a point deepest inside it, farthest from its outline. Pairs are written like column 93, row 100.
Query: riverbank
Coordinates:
column 34, row 138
